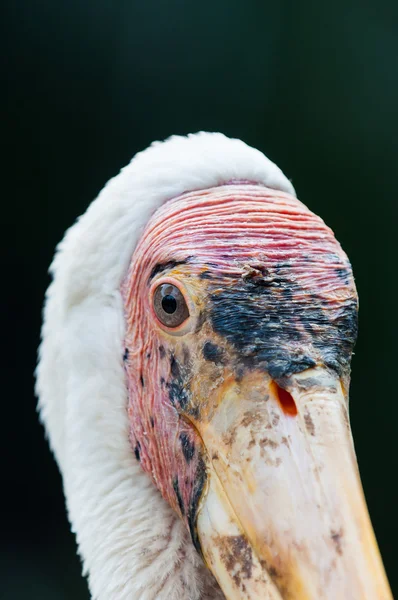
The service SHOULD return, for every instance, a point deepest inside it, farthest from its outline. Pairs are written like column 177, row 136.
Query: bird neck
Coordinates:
column 131, row 542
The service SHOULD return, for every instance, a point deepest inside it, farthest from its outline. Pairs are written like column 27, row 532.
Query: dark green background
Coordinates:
column 313, row 84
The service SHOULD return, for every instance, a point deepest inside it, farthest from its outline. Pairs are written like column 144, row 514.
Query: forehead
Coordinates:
column 238, row 213
column 239, row 228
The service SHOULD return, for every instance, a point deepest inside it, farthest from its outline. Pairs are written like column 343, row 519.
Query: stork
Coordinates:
column 193, row 381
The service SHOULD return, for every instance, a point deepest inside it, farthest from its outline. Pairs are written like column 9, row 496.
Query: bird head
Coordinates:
column 239, row 314
column 237, row 360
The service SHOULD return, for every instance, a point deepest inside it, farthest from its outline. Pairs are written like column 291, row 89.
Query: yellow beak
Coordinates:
column 284, row 516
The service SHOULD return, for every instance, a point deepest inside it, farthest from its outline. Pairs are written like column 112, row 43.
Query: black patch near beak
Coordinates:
column 283, row 328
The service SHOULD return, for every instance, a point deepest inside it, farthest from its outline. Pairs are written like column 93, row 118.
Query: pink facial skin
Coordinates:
column 268, row 287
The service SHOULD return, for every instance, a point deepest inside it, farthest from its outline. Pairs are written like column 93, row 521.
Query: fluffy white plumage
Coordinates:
column 131, row 543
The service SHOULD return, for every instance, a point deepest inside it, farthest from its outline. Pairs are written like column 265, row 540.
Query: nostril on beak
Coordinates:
column 285, row 399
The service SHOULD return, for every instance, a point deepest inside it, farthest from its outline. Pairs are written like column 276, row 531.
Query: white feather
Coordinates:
column 131, row 543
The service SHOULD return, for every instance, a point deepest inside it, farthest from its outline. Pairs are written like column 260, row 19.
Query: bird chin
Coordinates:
column 284, row 514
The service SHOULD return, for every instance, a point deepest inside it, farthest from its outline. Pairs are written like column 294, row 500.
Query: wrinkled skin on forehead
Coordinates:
column 269, row 290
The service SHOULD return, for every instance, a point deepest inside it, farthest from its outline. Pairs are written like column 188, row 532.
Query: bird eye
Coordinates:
column 169, row 305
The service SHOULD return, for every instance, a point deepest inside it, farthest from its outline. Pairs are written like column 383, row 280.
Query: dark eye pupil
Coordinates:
column 169, row 304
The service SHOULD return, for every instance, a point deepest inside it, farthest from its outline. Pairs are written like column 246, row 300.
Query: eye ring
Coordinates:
column 169, row 305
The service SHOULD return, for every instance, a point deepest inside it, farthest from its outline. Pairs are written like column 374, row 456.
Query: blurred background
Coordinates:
column 312, row 84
